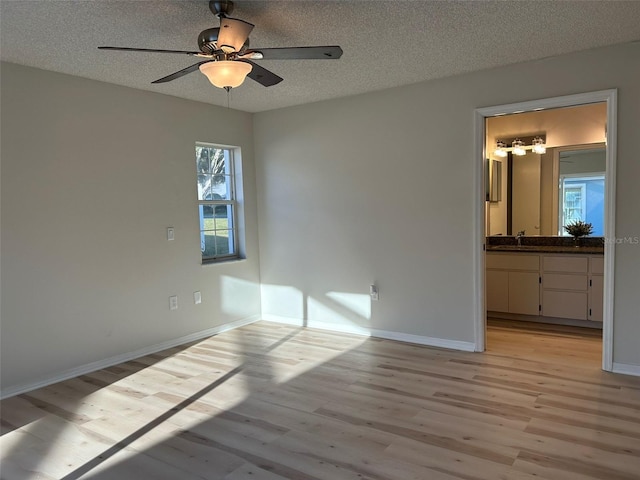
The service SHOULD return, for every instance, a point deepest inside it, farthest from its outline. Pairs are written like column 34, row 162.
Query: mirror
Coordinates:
column 533, row 180
column 542, row 192
column 581, row 185
column 494, row 181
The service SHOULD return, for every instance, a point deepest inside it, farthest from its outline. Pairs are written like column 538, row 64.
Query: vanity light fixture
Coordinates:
column 539, row 146
column 500, row 149
column 518, row 147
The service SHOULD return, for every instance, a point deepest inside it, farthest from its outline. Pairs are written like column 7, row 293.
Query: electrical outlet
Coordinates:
column 170, row 233
column 197, row 298
column 173, row 302
column 373, row 292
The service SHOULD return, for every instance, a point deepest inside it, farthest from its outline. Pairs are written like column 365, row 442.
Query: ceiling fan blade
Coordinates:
column 298, row 53
column 262, row 75
column 152, row 50
column 233, row 34
column 180, row 73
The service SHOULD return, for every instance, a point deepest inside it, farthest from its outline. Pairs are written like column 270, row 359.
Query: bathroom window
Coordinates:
column 582, row 198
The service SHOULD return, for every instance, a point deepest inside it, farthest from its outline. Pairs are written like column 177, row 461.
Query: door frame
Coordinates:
column 610, row 97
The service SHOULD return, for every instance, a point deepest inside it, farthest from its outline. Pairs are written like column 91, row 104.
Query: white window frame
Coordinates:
column 231, row 157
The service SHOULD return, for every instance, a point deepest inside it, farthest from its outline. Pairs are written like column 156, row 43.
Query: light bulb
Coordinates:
column 518, row 147
column 500, row 149
column 539, row 145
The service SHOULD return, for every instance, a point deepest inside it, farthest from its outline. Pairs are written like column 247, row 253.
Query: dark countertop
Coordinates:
column 546, row 249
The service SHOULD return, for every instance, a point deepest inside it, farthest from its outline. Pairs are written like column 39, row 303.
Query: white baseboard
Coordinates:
column 626, row 369
column 125, row 357
column 373, row 332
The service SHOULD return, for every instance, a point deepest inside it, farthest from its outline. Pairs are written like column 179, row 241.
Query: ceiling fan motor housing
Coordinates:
column 221, row 8
column 207, row 40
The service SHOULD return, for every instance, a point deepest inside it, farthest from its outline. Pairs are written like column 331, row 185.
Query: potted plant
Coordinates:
column 578, row 229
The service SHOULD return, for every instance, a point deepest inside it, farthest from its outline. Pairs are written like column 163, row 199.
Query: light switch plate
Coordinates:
column 197, row 298
column 373, row 292
column 170, row 234
column 173, row 302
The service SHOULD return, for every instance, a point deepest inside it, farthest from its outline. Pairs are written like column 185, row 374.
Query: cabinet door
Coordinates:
column 596, row 302
column 564, row 304
column 524, row 293
column 497, row 287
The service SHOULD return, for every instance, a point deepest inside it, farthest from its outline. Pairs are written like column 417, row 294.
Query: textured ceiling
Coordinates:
column 385, row 43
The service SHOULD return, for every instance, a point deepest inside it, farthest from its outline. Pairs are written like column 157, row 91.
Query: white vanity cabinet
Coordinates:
column 512, row 283
column 562, row 286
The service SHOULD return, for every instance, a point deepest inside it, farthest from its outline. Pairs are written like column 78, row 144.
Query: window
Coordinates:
column 582, row 198
column 217, row 202
column 573, row 201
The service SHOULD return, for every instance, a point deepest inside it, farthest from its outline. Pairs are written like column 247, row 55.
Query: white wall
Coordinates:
column 92, row 175
column 379, row 187
column 561, row 126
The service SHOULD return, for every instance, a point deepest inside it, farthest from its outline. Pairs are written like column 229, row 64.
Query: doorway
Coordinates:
column 608, row 97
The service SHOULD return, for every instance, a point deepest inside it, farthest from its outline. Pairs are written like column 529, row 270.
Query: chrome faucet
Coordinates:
column 519, row 237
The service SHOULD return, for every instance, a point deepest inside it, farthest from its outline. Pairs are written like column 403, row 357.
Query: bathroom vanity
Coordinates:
column 561, row 284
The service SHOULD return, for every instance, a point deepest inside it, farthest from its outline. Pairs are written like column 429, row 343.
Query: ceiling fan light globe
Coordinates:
column 226, row 73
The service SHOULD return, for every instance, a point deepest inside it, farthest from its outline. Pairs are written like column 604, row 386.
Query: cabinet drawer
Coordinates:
column 565, row 264
column 560, row 281
column 513, row 262
column 597, row 265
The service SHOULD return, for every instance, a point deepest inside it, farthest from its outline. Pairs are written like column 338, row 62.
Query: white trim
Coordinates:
column 610, row 229
column 626, row 369
column 372, row 332
column 124, row 357
column 611, row 99
column 479, row 172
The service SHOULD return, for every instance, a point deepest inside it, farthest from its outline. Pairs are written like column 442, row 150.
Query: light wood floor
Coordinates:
column 272, row 402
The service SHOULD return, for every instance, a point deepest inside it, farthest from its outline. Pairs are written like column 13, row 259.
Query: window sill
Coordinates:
column 218, row 261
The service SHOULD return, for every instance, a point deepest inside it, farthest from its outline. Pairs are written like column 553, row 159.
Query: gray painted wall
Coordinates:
column 92, row 175
column 379, row 187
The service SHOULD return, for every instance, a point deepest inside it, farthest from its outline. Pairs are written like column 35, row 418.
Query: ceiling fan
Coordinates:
column 228, row 58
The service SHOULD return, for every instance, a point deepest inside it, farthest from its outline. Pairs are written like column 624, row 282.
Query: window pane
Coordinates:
column 202, row 160
column 205, row 191
column 224, row 242
column 573, row 203
column 217, row 161
column 223, row 217
column 217, row 243
column 207, row 221
column 208, row 244
column 221, row 187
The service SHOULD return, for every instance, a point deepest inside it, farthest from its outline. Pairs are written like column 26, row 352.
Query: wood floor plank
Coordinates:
column 271, row 402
